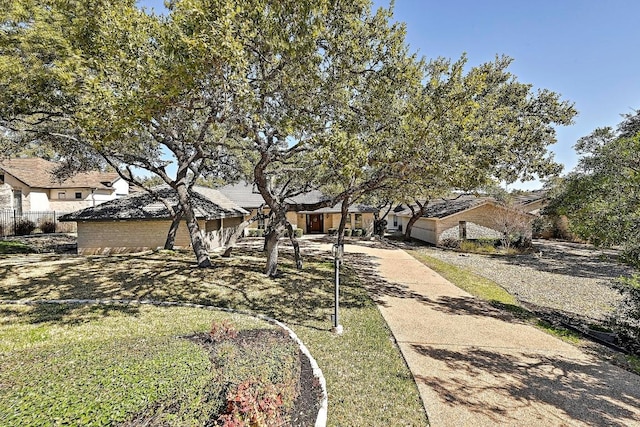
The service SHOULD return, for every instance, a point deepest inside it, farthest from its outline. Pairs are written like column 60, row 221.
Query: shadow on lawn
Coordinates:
column 69, row 314
column 303, row 297
column 571, row 386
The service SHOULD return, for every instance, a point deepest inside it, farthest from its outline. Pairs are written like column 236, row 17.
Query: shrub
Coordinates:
column 468, row 246
column 357, row 232
column 222, row 330
column 24, row 227
column 626, row 319
column 253, row 404
column 48, row 227
column 298, row 232
column 483, row 246
column 450, row 243
column 333, row 231
column 259, row 232
column 347, row 232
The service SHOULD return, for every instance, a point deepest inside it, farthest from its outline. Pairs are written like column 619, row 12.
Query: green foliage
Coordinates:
column 476, row 246
column 563, row 333
column 100, row 369
column 600, row 198
column 468, row 281
column 12, row 247
column 137, row 365
column 626, row 319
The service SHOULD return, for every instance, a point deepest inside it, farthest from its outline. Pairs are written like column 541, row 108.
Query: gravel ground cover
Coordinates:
column 574, row 279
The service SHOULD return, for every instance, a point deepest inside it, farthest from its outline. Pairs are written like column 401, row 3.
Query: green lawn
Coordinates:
column 367, row 379
column 99, row 365
column 13, row 247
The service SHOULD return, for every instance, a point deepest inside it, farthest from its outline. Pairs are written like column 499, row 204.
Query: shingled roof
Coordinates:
column 530, row 197
column 247, row 196
column 208, row 204
column 444, row 208
column 40, row 173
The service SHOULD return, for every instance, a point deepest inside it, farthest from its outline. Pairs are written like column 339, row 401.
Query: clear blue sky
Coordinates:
column 586, row 50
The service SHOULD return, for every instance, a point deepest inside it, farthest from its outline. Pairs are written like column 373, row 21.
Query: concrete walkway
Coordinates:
column 477, row 366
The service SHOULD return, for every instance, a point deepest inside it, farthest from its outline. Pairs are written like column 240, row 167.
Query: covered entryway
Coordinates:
column 315, row 223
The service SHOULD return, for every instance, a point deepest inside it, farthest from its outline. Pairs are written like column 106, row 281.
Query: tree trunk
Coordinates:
column 344, row 211
column 171, row 235
column 197, row 243
column 296, row 246
column 416, row 214
column 231, row 240
column 271, row 242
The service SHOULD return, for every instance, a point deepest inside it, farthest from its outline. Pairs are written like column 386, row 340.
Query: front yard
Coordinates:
column 366, row 376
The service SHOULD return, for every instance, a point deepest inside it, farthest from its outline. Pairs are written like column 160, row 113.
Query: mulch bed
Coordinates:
column 307, row 404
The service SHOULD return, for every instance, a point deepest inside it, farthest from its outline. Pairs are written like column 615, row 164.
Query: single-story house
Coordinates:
column 140, row 222
column 467, row 216
column 319, row 221
column 531, row 201
column 30, row 184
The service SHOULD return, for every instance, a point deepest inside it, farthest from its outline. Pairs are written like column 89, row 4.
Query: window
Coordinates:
column 62, row 195
column 17, row 201
column 358, row 223
column 78, row 195
column 1, row 178
column 395, row 220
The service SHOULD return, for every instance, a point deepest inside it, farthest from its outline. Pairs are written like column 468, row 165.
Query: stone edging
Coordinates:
column 321, row 419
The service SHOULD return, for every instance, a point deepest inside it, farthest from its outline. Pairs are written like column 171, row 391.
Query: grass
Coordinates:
column 468, row 281
column 366, row 375
column 101, row 365
column 13, row 247
column 488, row 290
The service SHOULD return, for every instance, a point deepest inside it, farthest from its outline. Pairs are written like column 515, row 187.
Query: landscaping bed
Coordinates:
column 137, row 365
column 39, row 243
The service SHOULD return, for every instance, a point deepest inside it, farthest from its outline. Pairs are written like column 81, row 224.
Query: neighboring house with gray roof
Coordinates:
column 141, row 221
column 318, row 221
column 31, row 184
column 468, row 215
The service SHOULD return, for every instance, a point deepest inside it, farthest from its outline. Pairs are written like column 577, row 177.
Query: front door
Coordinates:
column 315, row 223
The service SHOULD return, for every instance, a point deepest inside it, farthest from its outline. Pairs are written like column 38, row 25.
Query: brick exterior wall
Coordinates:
column 111, row 237
column 430, row 230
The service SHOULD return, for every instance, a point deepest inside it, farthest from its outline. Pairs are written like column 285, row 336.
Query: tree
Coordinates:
column 476, row 128
column 313, row 111
column 601, row 197
column 121, row 87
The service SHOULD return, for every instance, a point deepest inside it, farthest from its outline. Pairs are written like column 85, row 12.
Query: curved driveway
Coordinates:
column 477, row 366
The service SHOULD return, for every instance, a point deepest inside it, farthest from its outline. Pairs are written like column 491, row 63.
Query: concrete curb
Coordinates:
column 321, row 418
